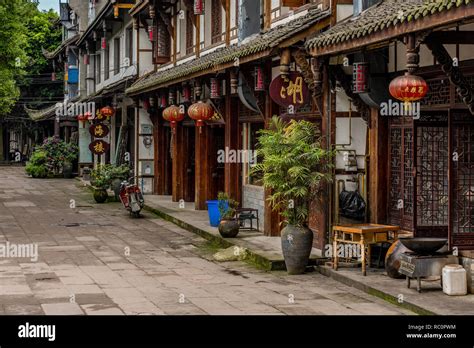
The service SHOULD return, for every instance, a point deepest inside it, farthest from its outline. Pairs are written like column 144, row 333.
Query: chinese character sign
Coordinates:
column 99, row 130
column 99, row 147
column 292, row 91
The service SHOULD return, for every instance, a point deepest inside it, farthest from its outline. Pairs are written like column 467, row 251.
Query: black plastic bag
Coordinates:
column 352, row 205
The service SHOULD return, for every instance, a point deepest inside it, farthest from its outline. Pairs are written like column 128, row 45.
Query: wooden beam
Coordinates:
column 443, row 19
column 268, row 14
column 227, row 22
column 177, row 183
column 232, row 142
column 198, row 36
column 453, row 37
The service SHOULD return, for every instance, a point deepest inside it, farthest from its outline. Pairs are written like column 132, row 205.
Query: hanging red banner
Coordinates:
column 99, row 130
column 291, row 91
column 99, row 147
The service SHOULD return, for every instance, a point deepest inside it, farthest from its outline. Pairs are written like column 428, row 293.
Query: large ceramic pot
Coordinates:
column 229, row 228
column 116, row 183
column 67, row 170
column 296, row 244
column 100, row 195
column 393, row 259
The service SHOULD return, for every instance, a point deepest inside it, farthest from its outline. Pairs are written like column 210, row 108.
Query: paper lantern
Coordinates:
column 360, row 75
column 198, row 7
column 215, row 88
column 408, row 88
column 107, row 111
column 259, row 79
column 200, row 112
column 103, row 43
column 173, row 115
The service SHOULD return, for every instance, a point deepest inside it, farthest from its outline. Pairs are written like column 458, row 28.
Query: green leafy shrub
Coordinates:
column 37, row 165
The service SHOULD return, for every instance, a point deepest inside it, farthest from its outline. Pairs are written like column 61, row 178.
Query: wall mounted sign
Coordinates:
column 99, row 147
column 99, row 130
column 360, row 77
column 292, row 91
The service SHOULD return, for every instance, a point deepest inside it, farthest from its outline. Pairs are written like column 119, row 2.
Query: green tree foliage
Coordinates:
column 24, row 31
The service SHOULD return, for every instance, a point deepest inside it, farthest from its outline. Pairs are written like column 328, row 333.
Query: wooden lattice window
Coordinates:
column 189, row 33
column 216, row 21
column 401, row 205
column 162, row 44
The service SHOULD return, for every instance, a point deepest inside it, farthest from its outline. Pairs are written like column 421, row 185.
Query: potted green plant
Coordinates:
column 294, row 165
column 70, row 154
column 117, row 175
column 229, row 225
column 36, row 166
column 100, row 180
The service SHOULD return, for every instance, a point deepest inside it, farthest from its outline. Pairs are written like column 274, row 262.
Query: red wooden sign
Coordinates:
column 99, row 130
column 99, row 147
column 293, row 91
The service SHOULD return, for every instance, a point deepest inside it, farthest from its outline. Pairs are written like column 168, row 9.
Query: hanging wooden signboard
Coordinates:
column 292, row 91
column 99, row 147
column 99, row 130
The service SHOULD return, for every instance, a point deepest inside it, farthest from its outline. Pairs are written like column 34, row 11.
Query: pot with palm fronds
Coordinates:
column 229, row 225
column 294, row 166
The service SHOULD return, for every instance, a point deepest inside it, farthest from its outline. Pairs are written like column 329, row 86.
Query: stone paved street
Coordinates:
column 95, row 259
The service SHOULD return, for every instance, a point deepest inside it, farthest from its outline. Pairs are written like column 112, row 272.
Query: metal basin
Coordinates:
column 423, row 246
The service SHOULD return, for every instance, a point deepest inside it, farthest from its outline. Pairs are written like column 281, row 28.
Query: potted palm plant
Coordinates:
column 228, row 226
column 294, row 165
column 100, row 180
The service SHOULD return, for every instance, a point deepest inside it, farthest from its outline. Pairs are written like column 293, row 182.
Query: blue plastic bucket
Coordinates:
column 213, row 211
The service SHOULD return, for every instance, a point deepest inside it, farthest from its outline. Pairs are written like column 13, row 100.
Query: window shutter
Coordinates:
column 163, row 42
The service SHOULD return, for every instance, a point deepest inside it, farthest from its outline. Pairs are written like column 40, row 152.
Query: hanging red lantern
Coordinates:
column 408, row 88
column 186, row 93
column 104, row 43
column 198, row 7
column 360, row 74
column 215, row 88
column 151, row 33
column 86, row 59
column 173, row 115
column 89, row 116
column 146, row 104
column 259, row 79
column 163, row 102
column 107, row 111
column 200, row 112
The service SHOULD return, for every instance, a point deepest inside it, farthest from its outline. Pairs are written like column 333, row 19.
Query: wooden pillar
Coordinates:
column 202, row 167
column 160, row 153
column 232, row 142
column 272, row 218
column 378, row 168
column 57, row 131
column 178, row 164
column 227, row 22
column 319, row 209
column 268, row 14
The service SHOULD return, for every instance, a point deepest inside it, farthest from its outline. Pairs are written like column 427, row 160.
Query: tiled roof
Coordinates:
column 388, row 13
column 43, row 114
column 267, row 40
column 70, row 41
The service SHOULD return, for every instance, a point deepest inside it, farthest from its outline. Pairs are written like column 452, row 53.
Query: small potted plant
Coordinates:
column 100, row 180
column 229, row 225
column 117, row 175
column 294, row 167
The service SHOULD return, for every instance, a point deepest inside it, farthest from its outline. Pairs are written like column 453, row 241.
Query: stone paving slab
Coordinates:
column 96, row 260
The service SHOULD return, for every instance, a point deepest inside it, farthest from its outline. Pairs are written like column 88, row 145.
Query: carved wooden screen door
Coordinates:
column 432, row 177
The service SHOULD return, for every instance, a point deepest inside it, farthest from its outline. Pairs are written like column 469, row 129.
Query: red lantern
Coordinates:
column 146, row 104
column 200, row 112
column 360, row 77
column 89, row 116
column 104, row 43
column 186, row 93
column 107, row 111
column 163, row 102
column 198, row 7
column 408, row 88
column 259, row 79
column 151, row 33
column 173, row 115
column 215, row 89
